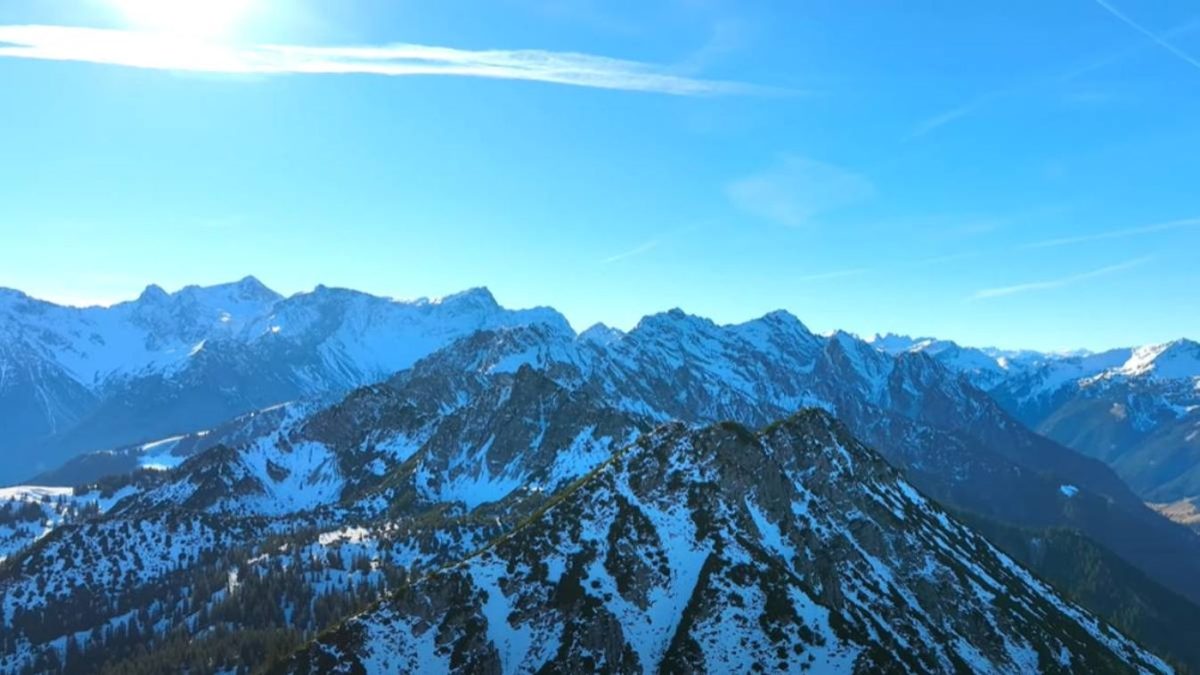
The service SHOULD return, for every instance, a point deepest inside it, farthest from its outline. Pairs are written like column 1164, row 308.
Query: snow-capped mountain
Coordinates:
column 1137, row 409
column 388, row 482
column 985, row 367
column 157, row 332
column 337, row 502
column 1142, row 417
column 76, row 379
column 1170, row 361
column 311, row 510
column 953, row 440
column 719, row 550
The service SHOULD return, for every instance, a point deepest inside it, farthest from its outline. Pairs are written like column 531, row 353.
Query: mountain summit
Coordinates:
column 719, row 550
column 78, row 379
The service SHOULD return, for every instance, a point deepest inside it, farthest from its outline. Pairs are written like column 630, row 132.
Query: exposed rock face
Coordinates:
column 719, row 550
column 1185, row 512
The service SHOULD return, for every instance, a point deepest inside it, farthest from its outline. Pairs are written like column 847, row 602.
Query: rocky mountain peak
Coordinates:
column 478, row 298
column 782, row 322
column 674, row 320
column 893, row 343
column 250, row 289
column 847, row 351
column 601, row 335
column 153, row 293
column 1178, row 359
column 251, row 284
column 722, row 550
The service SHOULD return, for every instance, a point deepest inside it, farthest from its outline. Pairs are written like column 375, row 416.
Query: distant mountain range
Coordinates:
column 261, row 452
column 1136, row 409
column 74, row 380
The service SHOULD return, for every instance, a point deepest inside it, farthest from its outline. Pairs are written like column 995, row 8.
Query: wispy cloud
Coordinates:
column 942, row 119
column 1154, row 37
column 663, row 237
column 1096, row 64
column 640, row 249
column 175, row 53
column 1116, row 234
column 988, row 98
column 1050, row 284
column 797, row 189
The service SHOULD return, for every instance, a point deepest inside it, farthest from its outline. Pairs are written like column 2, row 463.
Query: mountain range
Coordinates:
column 278, row 465
column 80, row 379
column 1136, row 409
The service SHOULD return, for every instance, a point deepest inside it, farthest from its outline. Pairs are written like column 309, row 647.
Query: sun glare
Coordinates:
column 200, row 18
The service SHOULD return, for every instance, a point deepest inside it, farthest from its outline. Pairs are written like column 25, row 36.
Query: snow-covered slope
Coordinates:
column 1169, row 361
column 389, row 481
column 155, row 333
column 1136, row 409
column 28, row 513
column 166, row 453
column 985, row 367
column 358, row 339
column 76, row 379
column 347, row 499
column 717, row 550
column 953, row 440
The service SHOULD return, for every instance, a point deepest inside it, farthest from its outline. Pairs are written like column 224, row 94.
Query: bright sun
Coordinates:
column 201, row 18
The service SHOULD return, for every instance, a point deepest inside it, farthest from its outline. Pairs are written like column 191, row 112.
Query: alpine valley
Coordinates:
column 223, row 479
column 1136, row 409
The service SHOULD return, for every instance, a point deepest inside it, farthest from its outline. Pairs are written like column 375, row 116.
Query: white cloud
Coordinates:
column 1057, row 283
column 158, row 51
column 1116, row 234
column 797, row 189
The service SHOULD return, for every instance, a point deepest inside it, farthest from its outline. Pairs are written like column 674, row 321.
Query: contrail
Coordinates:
column 1149, row 33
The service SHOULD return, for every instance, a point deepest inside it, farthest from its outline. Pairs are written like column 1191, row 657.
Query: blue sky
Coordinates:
column 1020, row 174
